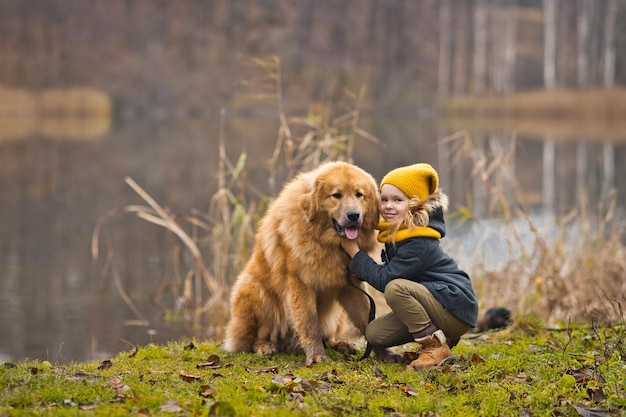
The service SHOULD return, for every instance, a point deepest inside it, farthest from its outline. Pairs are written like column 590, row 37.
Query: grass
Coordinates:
column 523, row 370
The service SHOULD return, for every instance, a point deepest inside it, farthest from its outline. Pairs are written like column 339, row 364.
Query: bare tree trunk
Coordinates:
column 584, row 31
column 608, row 73
column 582, row 82
column 496, row 69
column 503, row 60
column 462, row 45
column 549, row 51
column 480, row 47
column 445, row 48
column 479, row 88
column 549, row 79
column 510, row 50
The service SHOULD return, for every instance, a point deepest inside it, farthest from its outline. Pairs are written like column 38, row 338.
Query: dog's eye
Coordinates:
column 359, row 194
column 337, row 195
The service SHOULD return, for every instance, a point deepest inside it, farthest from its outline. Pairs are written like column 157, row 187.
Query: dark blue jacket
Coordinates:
column 421, row 259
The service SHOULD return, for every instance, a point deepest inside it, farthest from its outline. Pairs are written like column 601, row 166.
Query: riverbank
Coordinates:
column 523, row 370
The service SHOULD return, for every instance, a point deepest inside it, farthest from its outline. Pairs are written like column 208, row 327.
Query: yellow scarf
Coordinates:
column 404, row 233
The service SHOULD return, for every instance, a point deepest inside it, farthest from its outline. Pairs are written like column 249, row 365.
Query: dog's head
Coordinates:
column 343, row 198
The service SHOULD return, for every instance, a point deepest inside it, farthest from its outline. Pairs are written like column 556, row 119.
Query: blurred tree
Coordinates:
column 445, row 48
column 480, row 48
column 549, row 74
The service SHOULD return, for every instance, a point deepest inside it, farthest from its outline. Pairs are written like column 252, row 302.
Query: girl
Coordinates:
column 431, row 298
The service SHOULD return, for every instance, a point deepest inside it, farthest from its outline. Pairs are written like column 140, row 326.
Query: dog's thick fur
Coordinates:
column 288, row 296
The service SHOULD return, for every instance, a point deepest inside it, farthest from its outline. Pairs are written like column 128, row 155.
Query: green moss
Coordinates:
column 543, row 372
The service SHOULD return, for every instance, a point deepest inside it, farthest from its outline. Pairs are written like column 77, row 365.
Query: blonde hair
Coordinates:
column 417, row 215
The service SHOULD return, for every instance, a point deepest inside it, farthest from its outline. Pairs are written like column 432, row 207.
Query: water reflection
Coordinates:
column 56, row 304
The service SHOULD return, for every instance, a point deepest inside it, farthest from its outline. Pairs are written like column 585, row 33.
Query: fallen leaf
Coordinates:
column 206, row 391
column 118, row 385
column 189, row 378
column 269, row 369
column 521, row 377
column 585, row 411
column 171, row 407
column 476, row 359
column 596, row 394
column 9, row 365
column 331, row 376
column 105, row 364
column 208, row 365
column 584, row 375
column 190, row 346
column 213, row 362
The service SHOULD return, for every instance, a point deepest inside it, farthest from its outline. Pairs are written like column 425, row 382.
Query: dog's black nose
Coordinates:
column 353, row 216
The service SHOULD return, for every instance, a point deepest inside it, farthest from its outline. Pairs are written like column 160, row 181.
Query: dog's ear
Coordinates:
column 307, row 205
column 373, row 206
column 308, row 200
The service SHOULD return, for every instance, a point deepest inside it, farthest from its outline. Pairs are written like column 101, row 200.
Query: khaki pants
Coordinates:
column 412, row 308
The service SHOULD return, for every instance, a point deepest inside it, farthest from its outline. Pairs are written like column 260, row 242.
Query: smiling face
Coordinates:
column 393, row 203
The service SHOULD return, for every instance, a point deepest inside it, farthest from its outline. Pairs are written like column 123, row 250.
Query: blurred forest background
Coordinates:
column 177, row 58
column 94, row 91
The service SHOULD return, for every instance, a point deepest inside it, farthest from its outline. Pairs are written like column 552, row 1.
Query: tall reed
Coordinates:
column 543, row 274
column 559, row 267
column 219, row 241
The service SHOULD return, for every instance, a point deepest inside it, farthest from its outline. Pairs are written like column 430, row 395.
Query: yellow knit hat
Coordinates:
column 417, row 180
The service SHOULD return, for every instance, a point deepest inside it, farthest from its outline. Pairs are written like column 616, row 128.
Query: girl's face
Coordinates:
column 393, row 203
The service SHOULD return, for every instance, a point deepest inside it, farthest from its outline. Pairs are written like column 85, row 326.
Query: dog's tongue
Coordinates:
column 351, row 233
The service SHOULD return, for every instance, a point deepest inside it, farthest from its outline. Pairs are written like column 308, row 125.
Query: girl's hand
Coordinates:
column 350, row 246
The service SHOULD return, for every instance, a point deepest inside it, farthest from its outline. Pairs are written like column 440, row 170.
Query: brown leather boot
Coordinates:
column 435, row 351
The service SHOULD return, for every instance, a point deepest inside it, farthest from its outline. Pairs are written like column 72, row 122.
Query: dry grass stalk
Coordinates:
column 572, row 270
column 225, row 233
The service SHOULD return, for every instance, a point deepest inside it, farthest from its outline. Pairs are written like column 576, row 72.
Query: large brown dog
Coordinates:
column 288, row 297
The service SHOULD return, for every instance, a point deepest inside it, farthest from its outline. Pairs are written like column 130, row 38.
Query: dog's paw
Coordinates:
column 265, row 348
column 316, row 358
column 344, row 347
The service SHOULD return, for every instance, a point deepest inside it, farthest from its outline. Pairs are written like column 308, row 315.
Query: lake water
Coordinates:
column 58, row 304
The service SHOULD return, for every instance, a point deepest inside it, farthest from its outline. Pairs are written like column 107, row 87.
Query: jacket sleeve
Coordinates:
column 410, row 261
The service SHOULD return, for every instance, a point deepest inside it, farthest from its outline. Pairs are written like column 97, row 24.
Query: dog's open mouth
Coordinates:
column 350, row 232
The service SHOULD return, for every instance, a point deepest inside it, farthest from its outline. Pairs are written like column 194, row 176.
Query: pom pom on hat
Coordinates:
column 417, row 180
